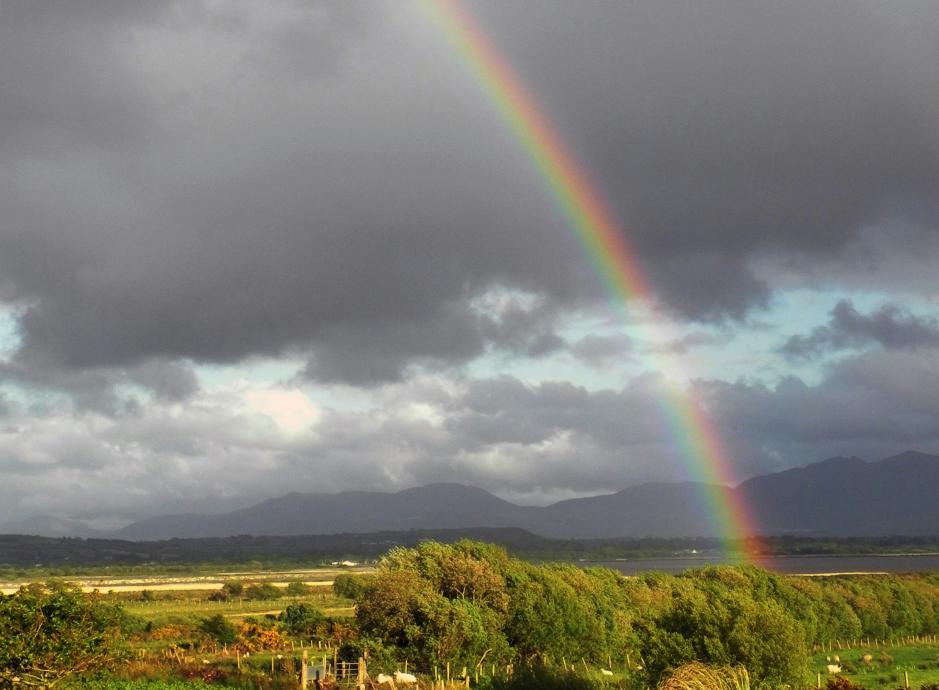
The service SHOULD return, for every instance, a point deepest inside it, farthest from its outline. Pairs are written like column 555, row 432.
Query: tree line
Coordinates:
column 470, row 603
column 459, row 603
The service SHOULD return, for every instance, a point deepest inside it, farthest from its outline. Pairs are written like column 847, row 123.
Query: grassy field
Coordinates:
column 195, row 605
column 887, row 665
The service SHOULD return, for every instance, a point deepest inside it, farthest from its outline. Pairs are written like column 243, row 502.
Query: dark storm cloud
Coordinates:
column 727, row 130
column 889, row 326
column 65, row 82
column 211, row 184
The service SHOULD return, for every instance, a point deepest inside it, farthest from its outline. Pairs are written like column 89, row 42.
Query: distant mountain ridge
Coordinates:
column 836, row 497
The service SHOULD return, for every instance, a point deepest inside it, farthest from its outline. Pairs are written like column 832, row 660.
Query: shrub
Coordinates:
column 298, row 588
column 230, row 590
column 538, row 677
column 698, row 676
column 219, row 629
column 262, row 591
column 302, row 619
column 350, row 586
column 842, row 683
column 48, row 632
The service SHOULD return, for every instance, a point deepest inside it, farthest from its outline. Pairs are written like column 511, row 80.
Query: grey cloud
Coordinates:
column 66, row 84
column 601, row 351
column 549, row 439
column 890, row 326
column 167, row 380
column 870, row 405
column 351, row 197
column 96, row 388
column 693, row 340
column 740, row 132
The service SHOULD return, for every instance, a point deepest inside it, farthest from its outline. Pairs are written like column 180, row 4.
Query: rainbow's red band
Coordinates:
column 604, row 243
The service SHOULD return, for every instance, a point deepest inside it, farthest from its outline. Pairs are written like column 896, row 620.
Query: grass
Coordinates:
column 886, row 668
column 198, row 606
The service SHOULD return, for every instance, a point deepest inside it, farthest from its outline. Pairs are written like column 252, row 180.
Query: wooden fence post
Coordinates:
column 304, row 671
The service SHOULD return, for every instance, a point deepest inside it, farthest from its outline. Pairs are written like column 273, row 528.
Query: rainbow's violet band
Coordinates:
column 604, row 243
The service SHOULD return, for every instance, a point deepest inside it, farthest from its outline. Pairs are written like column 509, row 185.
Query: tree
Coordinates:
column 48, row 632
column 219, row 629
column 302, row 619
column 230, row 590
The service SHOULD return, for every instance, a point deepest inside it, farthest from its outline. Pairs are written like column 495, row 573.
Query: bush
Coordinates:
column 262, row 591
column 350, row 586
column 298, row 588
column 219, row 629
column 48, row 632
column 842, row 683
column 230, row 590
column 538, row 677
column 302, row 619
column 697, row 676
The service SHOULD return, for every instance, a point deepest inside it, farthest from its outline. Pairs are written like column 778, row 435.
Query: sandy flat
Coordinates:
column 168, row 584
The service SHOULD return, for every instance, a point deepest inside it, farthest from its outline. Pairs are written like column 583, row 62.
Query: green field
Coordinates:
column 196, row 606
column 886, row 668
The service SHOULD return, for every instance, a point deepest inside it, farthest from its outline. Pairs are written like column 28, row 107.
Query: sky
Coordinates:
column 253, row 248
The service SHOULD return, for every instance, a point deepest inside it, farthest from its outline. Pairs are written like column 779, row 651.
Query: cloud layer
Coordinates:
column 192, row 184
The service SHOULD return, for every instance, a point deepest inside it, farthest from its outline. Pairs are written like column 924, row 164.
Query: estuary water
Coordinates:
column 790, row 565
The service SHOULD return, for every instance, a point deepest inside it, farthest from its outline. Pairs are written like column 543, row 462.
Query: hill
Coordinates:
column 842, row 497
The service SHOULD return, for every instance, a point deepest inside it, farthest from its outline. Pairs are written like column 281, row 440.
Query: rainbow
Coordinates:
column 604, row 243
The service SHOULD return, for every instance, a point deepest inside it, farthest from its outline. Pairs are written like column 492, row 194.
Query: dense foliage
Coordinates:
column 48, row 632
column 470, row 605
column 463, row 602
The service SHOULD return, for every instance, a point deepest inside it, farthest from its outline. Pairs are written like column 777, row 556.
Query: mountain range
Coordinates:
column 842, row 497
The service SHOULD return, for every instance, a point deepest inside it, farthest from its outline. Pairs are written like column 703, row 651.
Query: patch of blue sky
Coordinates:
column 282, row 372
column 754, row 354
column 556, row 367
column 9, row 332
column 256, row 371
column 748, row 351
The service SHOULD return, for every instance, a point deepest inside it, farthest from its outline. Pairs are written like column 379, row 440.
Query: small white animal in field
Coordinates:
column 834, row 668
column 382, row 679
column 405, row 678
column 837, row 659
column 605, row 672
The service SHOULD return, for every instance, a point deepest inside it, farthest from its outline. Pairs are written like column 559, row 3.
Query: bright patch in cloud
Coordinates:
column 291, row 410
